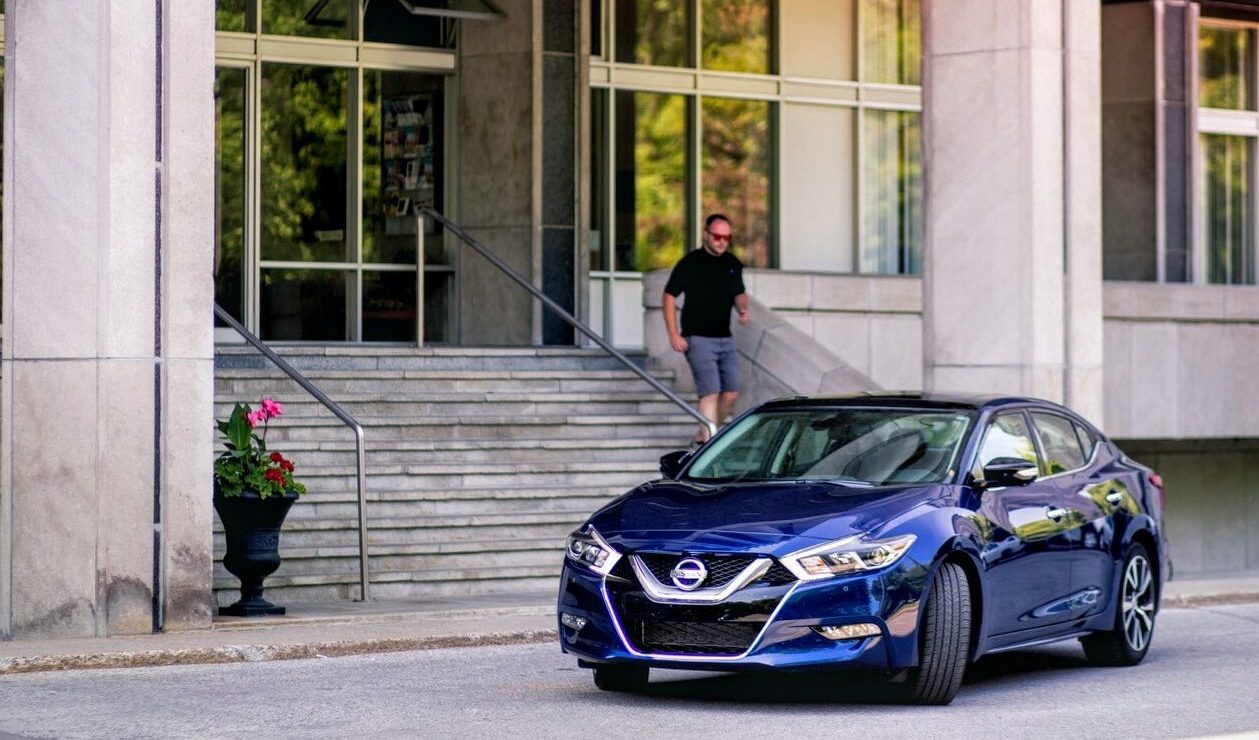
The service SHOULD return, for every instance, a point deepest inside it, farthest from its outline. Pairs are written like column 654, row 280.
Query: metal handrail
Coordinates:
column 482, row 250
column 340, row 413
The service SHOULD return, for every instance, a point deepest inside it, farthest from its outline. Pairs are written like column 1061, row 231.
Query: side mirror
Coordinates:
column 1002, row 472
column 671, row 463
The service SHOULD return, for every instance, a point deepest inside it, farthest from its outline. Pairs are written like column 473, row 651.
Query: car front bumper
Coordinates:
column 785, row 616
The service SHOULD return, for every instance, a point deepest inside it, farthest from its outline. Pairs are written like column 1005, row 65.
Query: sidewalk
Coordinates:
column 350, row 628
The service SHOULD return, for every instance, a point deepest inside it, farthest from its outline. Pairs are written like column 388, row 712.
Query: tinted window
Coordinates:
column 1007, row 436
column 1057, row 436
column 1088, row 441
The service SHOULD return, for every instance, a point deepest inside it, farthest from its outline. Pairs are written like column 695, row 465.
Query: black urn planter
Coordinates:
column 252, row 525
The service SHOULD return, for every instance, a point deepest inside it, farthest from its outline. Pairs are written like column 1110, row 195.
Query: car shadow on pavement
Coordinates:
column 847, row 687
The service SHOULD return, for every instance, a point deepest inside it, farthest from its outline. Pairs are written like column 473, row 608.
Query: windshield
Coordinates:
column 871, row 446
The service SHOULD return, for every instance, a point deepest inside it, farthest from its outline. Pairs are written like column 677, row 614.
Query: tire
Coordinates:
column 1135, row 611
column 621, row 677
column 944, row 639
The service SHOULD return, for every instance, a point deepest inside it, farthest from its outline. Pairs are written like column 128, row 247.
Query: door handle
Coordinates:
column 1114, row 497
column 1056, row 514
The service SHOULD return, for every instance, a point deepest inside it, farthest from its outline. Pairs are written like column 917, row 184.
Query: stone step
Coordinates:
column 388, row 505
column 313, row 452
column 421, row 410
column 344, row 560
column 671, row 428
column 307, row 360
column 254, row 384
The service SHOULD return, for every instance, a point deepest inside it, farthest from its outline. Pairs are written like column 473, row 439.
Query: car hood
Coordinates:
column 763, row 518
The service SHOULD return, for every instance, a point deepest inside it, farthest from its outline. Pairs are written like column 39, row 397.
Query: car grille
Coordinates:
column 697, row 638
column 722, row 569
column 777, row 574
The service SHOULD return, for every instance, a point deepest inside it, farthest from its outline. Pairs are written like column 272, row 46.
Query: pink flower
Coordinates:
column 271, row 408
column 256, row 417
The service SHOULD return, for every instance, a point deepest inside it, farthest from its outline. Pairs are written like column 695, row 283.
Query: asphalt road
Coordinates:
column 1201, row 678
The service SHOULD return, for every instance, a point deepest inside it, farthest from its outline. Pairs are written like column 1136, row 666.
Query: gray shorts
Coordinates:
column 714, row 363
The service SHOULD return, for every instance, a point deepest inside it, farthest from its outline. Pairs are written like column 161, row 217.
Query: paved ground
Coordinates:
column 1198, row 680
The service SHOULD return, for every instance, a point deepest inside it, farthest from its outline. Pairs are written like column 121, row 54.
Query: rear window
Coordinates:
column 1061, row 446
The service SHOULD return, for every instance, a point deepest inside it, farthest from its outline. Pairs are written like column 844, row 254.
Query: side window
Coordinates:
column 1062, row 448
column 1087, row 441
column 1006, row 436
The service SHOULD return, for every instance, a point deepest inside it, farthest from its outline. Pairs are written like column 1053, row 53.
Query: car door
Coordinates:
column 1085, row 500
column 1027, row 559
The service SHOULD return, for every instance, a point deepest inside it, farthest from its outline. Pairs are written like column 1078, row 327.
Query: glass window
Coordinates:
column 1087, row 441
column 402, row 123
column 391, row 23
column 736, row 164
column 1226, row 67
column 655, row 32
column 651, row 180
column 304, row 163
column 307, row 305
column 229, row 186
column 1229, row 213
column 1057, row 438
column 1007, row 436
column 736, row 36
column 599, row 257
column 232, row 15
column 891, row 193
column 327, row 19
column 389, row 306
column 891, row 39
column 863, row 445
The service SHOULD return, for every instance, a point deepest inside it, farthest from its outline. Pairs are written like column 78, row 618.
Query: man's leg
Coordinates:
column 707, row 407
column 725, row 405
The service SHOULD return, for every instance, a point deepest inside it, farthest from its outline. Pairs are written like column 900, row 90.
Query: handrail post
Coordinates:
column 419, row 281
column 360, row 437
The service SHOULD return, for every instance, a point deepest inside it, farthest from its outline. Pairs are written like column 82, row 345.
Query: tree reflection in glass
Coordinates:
column 736, row 165
column 736, row 35
column 304, row 163
column 328, row 19
column 1229, row 214
column 1226, row 64
column 651, row 171
column 229, row 185
column 891, row 37
column 653, row 32
column 891, row 193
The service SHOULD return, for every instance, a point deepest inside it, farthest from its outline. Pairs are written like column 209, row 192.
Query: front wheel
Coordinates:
column 944, row 639
column 621, row 677
column 1129, row 641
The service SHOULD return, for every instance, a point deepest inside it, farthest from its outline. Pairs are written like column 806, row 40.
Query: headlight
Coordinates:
column 591, row 550
column 850, row 555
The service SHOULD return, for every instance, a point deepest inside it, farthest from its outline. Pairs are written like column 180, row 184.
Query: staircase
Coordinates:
column 479, row 462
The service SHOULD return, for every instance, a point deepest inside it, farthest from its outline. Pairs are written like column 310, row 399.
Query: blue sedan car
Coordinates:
column 905, row 533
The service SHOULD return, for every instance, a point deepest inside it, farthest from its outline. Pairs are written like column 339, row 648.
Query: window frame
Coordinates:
column 695, row 83
column 1220, row 122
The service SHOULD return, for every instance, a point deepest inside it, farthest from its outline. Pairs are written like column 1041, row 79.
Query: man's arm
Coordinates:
column 670, row 307
column 741, row 304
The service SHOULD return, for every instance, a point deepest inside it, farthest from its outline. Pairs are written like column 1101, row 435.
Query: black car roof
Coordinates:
column 962, row 401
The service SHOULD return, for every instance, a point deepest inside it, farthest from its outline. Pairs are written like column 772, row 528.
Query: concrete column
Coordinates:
column 107, row 388
column 499, row 172
column 1007, row 285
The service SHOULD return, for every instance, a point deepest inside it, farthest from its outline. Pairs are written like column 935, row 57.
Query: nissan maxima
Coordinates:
column 908, row 534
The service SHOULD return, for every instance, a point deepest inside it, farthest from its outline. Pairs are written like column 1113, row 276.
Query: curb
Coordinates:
column 259, row 653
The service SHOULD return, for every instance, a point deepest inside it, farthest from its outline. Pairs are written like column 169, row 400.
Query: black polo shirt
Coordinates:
column 710, row 284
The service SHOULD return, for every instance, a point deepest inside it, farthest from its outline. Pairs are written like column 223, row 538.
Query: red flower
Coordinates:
column 277, row 457
column 276, row 476
column 287, row 465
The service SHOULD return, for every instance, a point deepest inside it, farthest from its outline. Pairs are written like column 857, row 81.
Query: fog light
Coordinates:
column 848, row 631
column 572, row 621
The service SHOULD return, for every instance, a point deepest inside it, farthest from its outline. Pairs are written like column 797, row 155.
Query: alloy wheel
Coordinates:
column 1138, row 603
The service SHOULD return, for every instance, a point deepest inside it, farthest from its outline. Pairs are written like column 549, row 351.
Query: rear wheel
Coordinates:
column 1129, row 641
column 944, row 639
column 621, row 677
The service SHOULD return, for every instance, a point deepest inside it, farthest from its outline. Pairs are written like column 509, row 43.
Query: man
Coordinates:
column 712, row 279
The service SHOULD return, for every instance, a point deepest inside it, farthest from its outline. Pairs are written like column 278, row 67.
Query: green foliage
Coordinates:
column 245, row 465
